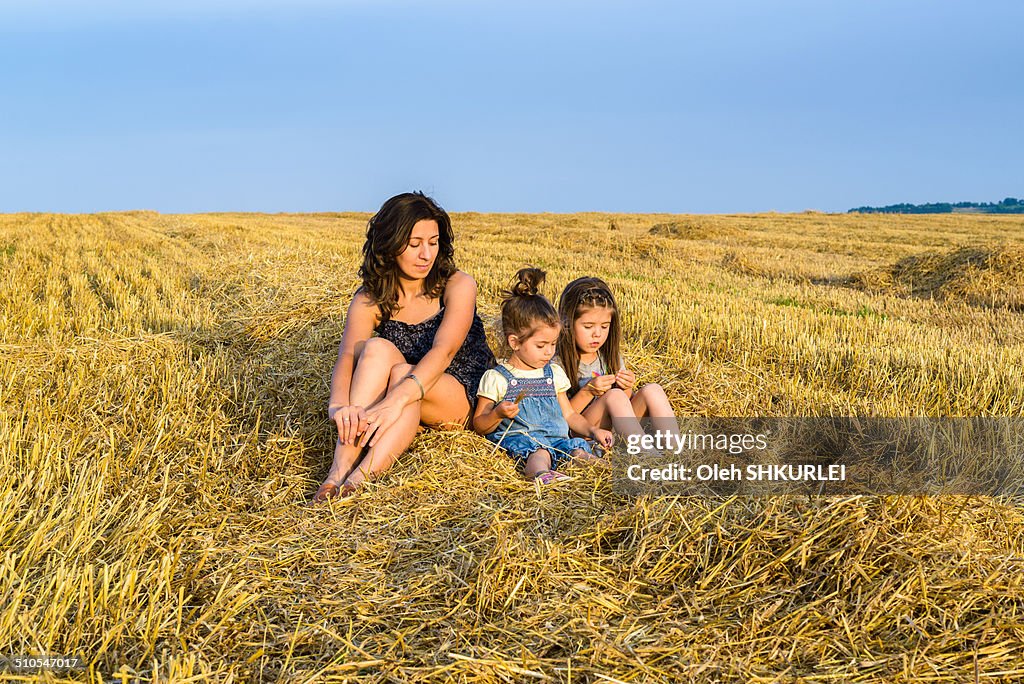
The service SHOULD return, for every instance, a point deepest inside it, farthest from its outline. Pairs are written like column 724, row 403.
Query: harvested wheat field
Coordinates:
column 163, row 391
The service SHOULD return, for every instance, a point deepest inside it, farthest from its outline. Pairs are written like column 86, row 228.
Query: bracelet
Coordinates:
column 423, row 393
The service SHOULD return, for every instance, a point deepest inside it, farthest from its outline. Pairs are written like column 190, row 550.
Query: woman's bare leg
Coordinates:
column 374, row 360
column 445, row 404
column 392, row 443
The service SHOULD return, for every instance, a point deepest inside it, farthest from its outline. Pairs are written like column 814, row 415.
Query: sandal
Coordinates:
column 547, row 477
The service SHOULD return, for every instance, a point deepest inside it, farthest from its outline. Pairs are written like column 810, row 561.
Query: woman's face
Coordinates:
column 418, row 257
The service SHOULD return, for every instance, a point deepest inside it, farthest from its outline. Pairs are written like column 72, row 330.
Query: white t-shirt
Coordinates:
column 493, row 384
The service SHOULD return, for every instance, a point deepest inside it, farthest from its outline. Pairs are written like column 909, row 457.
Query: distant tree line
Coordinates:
column 1010, row 205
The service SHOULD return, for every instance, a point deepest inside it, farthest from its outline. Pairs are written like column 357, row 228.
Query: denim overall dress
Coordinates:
column 539, row 423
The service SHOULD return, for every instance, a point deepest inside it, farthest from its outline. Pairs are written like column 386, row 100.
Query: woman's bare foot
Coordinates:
column 331, row 490
column 337, row 481
column 328, row 490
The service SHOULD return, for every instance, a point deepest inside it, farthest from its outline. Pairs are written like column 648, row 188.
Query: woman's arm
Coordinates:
column 359, row 324
column 459, row 306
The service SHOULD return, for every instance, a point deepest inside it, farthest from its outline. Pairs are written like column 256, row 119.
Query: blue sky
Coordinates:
column 641, row 106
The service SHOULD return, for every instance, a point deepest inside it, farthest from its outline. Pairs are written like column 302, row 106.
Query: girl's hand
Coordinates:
column 625, row 379
column 599, row 385
column 376, row 421
column 602, row 437
column 507, row 409
column 347, row 418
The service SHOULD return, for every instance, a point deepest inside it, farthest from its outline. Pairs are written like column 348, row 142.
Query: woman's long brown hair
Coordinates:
column 387, row 236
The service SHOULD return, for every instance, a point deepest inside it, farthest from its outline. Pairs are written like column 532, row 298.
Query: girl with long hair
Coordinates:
column 604, row 389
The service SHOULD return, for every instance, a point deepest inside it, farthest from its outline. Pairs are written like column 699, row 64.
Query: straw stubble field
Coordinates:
column 163, row 383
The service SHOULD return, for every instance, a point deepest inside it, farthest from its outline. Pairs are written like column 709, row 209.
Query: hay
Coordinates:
column 163, row 439
column 990, row 277
column 693, row 228
column 744, row 265
column 769, row 266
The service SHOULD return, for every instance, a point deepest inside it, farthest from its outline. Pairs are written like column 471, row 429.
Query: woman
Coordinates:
column 425, row 363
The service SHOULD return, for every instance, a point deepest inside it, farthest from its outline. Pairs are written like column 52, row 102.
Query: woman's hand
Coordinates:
column 376, row 421
column 347, row 418
column 600, row 384
column 507, row 409
column 625, row 379
column 602, row 437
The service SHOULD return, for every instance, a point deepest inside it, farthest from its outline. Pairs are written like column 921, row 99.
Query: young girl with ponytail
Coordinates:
column 522, row 404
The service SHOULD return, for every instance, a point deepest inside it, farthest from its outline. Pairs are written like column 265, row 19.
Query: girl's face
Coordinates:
column 590, row 330
column 537, row 349
column 418, row 257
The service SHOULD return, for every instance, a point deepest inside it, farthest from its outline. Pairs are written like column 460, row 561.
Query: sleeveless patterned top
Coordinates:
column 414, row 340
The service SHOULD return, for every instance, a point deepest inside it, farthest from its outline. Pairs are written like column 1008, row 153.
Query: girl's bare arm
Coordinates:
column 485, row 418
column 576, row 422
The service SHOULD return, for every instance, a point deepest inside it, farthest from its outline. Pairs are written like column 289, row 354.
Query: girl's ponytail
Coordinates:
column 524, row 309
column 527, row 283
